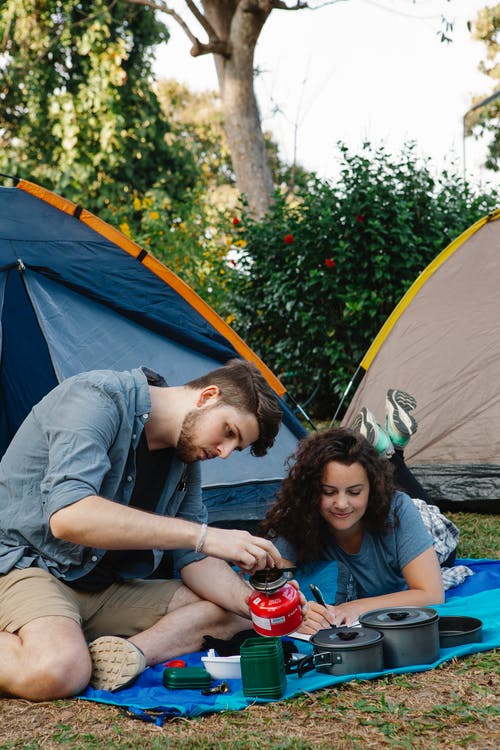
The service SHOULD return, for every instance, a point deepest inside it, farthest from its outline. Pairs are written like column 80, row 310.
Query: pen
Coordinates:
column 317, row 594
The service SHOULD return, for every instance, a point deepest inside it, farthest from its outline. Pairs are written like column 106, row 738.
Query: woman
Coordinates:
column 338, row 503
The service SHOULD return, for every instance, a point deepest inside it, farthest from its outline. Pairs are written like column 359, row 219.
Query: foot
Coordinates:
column 399, row 423
column 367, row 425
column 116, row 662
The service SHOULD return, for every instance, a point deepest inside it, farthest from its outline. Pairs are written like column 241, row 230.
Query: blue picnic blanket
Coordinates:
column 478, row 596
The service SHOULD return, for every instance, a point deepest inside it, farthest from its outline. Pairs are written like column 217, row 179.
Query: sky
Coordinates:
column 359, row 70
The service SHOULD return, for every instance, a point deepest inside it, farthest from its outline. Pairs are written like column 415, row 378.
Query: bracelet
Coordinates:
column 201, row 540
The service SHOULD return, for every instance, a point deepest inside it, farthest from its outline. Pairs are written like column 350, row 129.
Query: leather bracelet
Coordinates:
column 201, row 540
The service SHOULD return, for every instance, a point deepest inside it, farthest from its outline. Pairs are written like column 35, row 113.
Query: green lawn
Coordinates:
column 453, row 706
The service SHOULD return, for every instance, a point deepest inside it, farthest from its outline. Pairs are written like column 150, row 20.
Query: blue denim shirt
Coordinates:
column 80, row 440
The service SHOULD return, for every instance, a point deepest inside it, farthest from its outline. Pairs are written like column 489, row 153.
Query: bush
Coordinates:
column 319, row 275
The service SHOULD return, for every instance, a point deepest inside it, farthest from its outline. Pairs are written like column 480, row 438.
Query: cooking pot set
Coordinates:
column 386, row 638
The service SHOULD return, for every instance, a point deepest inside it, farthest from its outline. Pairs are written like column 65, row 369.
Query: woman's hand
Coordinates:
column 316, row 618
column 348, row 613
column 303, row 603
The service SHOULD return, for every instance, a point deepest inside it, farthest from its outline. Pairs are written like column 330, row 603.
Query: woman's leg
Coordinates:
column 405, row 480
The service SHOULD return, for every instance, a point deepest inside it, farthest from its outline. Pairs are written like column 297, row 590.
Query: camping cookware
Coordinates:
column 275, row 603
column 411, row 634
column 453, row 631
column 341, row 651
column 175, row 678
column 263, row 671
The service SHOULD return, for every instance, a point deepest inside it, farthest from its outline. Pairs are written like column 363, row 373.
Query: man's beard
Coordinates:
column 186, row 449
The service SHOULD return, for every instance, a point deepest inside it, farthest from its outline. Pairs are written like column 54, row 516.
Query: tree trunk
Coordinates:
column 240, row 23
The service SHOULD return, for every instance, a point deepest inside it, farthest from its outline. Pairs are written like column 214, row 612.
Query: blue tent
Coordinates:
column 76, row 294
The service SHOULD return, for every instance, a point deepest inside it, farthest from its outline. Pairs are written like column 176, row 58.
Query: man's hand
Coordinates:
column 249, row 552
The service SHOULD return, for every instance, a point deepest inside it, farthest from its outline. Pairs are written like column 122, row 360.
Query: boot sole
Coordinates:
column 116, row 662
column 399, row 404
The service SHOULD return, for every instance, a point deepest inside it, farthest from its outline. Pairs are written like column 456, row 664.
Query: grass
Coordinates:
column 453, row 706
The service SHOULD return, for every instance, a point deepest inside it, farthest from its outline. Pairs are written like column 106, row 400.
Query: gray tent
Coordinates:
column 442, row 344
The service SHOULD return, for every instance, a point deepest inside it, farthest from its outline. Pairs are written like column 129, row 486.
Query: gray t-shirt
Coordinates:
column 80, row 440
column 377, row 568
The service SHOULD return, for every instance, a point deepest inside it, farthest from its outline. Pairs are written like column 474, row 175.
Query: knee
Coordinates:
column 60, row 675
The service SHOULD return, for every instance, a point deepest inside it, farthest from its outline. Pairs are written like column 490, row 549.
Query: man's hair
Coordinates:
column 244, row 387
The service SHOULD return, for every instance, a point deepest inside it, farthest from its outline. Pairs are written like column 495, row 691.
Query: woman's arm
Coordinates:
column 425, row 587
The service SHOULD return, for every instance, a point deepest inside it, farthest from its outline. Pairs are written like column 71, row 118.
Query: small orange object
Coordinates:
column 176, row 663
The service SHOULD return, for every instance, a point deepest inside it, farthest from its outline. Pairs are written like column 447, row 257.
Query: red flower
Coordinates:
column 288, row 239
column 360, row 218
column 236, row 221
column 329, row 262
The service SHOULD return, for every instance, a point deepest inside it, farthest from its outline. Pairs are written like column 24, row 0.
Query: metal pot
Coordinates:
column 411, row 634
column 457, row 630
column 341, row 651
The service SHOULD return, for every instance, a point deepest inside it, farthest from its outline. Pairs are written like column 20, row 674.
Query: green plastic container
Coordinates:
column 175, row 678
column 263, row 668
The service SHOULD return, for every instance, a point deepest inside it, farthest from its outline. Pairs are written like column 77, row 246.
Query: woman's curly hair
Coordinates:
column 296, row 516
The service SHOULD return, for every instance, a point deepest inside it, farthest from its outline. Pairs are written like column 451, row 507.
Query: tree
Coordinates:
column 197, row 120
column 318, row 277
column 483, row 116
column 78, row 113
column 232, row 29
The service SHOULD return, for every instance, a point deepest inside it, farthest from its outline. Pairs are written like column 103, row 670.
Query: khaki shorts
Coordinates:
column 121, row 609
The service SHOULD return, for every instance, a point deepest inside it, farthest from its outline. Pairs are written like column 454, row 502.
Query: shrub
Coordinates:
column 319, row 275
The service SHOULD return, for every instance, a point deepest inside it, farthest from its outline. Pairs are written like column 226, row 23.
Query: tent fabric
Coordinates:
column 76, row 295
column 442, row 344
column 478, row 596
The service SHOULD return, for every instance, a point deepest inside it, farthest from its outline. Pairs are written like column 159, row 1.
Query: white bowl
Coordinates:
column 223, row 667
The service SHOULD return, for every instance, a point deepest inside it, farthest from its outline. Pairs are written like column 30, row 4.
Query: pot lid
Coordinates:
column 398, row 617
column 345, row 638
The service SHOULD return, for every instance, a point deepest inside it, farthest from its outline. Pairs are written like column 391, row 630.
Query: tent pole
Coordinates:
column 344, row 395
column 301, row 410
column 10, row 177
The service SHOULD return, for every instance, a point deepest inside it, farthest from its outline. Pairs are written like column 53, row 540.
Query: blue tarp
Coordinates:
column 478, row 596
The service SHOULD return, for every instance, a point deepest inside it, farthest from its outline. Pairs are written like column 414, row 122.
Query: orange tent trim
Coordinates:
column 154, row 265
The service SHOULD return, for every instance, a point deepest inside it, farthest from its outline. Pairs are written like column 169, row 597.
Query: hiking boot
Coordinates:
column 367, row 425
column 399, row 423
column 116, row 662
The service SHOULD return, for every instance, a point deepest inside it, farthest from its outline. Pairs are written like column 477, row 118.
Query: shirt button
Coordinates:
column 94, row 558
column 145, row 416
column 129, row 478
column 134, row 436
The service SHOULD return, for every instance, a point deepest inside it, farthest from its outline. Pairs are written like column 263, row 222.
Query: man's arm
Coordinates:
column 215, row 581
column 104, row 524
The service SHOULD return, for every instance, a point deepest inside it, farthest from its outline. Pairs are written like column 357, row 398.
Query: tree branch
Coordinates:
column 214, row 45
column 280, row 5
column 202, row 20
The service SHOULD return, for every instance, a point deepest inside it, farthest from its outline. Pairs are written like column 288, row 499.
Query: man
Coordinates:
column 101, row 478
